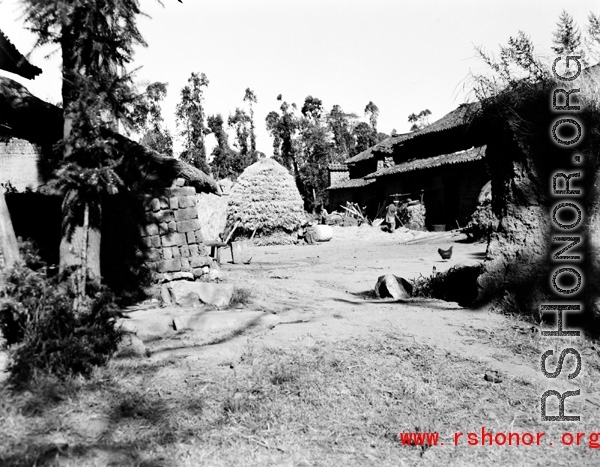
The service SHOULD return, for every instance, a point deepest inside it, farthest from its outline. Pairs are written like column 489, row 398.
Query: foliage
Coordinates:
column 458, row 284
column 340, row 124
column 483, row 222
column 420, row 120
column 567, row 37
column 250, row 98
column 244, row 130
column 365, row 137
column 43, row 330
column 190, row 117
column 150, row 120
column 283, row 128
column 373, row 112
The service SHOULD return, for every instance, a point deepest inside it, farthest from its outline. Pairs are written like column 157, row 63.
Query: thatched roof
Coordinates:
column 460, row 157
column 13, row 61
column 22, row 115
column 265, row 198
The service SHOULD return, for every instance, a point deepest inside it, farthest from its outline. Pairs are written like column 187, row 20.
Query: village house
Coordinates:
column 442, row 165
column 154, row 220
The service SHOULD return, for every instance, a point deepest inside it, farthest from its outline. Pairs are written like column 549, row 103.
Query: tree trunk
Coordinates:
column 9, row 250
column 81, row 249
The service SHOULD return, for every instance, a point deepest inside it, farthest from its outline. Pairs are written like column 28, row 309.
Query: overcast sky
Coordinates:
column 404, row 56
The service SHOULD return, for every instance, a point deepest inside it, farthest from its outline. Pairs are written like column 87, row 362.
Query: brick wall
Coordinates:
column 19, row 164
column 172, row 236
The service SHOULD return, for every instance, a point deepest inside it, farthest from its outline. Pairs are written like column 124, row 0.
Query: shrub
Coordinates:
column 457, row 284
column 43, row 331
column 483, row 222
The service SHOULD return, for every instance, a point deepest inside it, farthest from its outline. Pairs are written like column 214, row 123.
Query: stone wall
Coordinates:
column 19, row 164
column 173, row 237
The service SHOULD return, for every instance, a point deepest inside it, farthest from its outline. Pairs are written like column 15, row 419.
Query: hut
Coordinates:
column 265, row 201
column 151, row 222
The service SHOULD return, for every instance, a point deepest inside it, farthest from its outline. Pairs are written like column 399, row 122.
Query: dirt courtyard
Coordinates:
column 312, row 370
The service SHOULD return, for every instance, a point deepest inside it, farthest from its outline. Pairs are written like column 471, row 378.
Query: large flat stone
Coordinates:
column 187, row 293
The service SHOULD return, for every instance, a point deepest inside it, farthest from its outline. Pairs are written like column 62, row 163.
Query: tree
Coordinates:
column 340, row 124
column 96, row 38
column 250, row 98
column 242, row 123
column 225, row 161
column 420, row 120
column 283, row 128
column 373, row 112
column 151, row 121
column 592, row 40
column 365, row 137
column 316, row 152
column 566, row 37
column 190, row 116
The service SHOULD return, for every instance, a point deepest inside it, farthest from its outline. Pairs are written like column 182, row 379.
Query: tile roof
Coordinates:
column 13, row 61
column 460, row 157
column 457, row 117
column 352, row 183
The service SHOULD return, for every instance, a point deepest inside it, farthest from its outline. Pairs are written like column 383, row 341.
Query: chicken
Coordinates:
column 445, row 254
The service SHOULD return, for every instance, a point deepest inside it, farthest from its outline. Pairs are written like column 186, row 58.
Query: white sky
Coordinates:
column 404, row 56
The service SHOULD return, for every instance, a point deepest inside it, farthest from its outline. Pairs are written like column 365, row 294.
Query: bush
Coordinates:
column 457, row 284
column 483, row 222
column 43, row 331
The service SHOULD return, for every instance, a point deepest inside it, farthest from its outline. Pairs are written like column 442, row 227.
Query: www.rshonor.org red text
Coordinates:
column 484, row 437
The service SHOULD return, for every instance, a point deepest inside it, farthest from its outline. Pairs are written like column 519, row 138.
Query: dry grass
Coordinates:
column 322, row 404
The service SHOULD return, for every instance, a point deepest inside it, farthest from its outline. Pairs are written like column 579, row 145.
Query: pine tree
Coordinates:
column 566, row 37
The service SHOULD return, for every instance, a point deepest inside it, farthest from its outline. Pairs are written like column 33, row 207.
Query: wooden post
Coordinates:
column 9, row 249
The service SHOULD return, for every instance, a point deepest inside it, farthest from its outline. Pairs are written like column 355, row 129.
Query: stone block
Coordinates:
column 169, row 265
column 174, row 202
column 185, row 214
column 185, row 251
column 172, row 226
column 153, row 254
column 186, row 293
column 155, row 204
column 199, row 237
column 191, row 201
column 164, row 202
column 182, row 191
column 185, row 264
column 188, row 226
column 152, row 265
column 147, row 242
column 183, row 202
column 172, row 239
column 155, row 239
column 175, row 252
column 163, row 228
column 197, row 272
column 150, row 229
column 191, row 238
column 167, row 253
column 200, row 261
column 202, row 249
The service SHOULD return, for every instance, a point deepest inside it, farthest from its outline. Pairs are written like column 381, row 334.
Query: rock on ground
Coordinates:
column 393, row 286
column 194, row 294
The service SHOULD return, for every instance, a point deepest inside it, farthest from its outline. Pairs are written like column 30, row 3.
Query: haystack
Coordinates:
column 266, row 199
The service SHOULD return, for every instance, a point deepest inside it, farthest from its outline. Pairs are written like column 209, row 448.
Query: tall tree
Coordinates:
column 190, row 116
column 225, row 161
column 241, row 122
column 151, row 121
column 566, row 37
column 316, row 152
column 592, row 40
column 284, row 128
column 365, row 137
column 420, row 120
column 96, row 39
column 373, row 112
column 340, row 124
column 250, row 98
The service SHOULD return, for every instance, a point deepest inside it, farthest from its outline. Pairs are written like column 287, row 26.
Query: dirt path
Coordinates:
column 316, row 292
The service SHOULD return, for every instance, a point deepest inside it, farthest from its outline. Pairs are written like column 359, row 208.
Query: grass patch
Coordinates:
column 240, row 297
column 330, row 403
